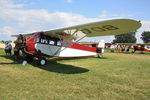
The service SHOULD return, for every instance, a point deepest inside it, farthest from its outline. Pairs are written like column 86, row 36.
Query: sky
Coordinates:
column 26, row 16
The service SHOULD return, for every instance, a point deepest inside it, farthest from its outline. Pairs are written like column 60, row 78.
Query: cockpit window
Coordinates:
column 66, row 44
column 51, row 42
column 44, row 41
column 59, row 43
column 37, row 39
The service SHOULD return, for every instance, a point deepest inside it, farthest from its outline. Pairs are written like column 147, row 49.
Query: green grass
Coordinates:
column 117, row 76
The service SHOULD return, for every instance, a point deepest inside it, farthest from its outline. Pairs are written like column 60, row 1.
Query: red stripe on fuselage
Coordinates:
column 82, row 47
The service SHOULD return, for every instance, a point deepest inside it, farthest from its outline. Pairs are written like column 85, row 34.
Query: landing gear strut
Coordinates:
column 40, row 60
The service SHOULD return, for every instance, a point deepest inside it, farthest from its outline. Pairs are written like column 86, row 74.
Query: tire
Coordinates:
column 42, row 61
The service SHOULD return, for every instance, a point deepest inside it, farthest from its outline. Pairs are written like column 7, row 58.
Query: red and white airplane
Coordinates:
column 142, row 47
column 57, row 42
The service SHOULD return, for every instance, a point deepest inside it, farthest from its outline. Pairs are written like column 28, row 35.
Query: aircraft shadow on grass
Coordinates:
column 52, row 66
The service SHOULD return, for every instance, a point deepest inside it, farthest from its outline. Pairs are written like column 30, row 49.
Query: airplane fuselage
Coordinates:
column 55, row 47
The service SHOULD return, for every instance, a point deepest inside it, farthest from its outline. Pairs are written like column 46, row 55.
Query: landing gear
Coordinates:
column 42, row 61
column 29, row 58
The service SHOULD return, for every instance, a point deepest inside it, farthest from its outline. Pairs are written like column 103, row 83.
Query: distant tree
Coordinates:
column 10, row 41
column 125, row 38
column 145, row 36
column 3, row 41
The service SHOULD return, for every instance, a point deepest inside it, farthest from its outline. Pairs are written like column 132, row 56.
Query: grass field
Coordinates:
column 114, row 77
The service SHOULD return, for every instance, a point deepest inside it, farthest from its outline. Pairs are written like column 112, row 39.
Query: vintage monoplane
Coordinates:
column 58, row 42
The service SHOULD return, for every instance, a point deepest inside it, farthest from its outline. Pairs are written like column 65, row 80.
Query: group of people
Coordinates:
column 19, row 46
column 8, row 49
column 120, row 48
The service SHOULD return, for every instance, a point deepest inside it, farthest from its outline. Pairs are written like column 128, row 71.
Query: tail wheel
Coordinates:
column 42, row 61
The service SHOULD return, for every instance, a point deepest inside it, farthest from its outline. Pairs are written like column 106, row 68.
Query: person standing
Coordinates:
column 6, row 48
column 16, row 52
column 10, row 48
column 100, row 48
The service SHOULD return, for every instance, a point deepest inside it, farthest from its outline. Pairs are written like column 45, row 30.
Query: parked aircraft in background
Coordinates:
column 142, row 47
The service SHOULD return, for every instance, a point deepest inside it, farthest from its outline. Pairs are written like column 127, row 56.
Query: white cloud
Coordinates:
column 7, row 30
column 145, row 27
column 7, row 4
column 69, row 1
column 26, row 21
column 37, row 20
column 104, row 14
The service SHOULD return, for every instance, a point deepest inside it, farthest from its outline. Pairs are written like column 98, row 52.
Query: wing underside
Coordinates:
column 102, row 28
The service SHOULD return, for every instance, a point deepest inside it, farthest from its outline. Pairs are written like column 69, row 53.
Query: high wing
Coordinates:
column 102, row 28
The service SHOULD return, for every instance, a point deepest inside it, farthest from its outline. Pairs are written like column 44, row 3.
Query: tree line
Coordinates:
column 130, row 37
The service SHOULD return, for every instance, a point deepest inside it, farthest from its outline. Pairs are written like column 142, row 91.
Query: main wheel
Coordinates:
column 42, row 61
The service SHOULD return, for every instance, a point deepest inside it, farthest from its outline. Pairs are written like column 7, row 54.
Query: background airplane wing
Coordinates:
column 102, row 28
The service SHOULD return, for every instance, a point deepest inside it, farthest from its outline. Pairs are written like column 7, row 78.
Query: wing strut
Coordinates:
column 58, row 51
